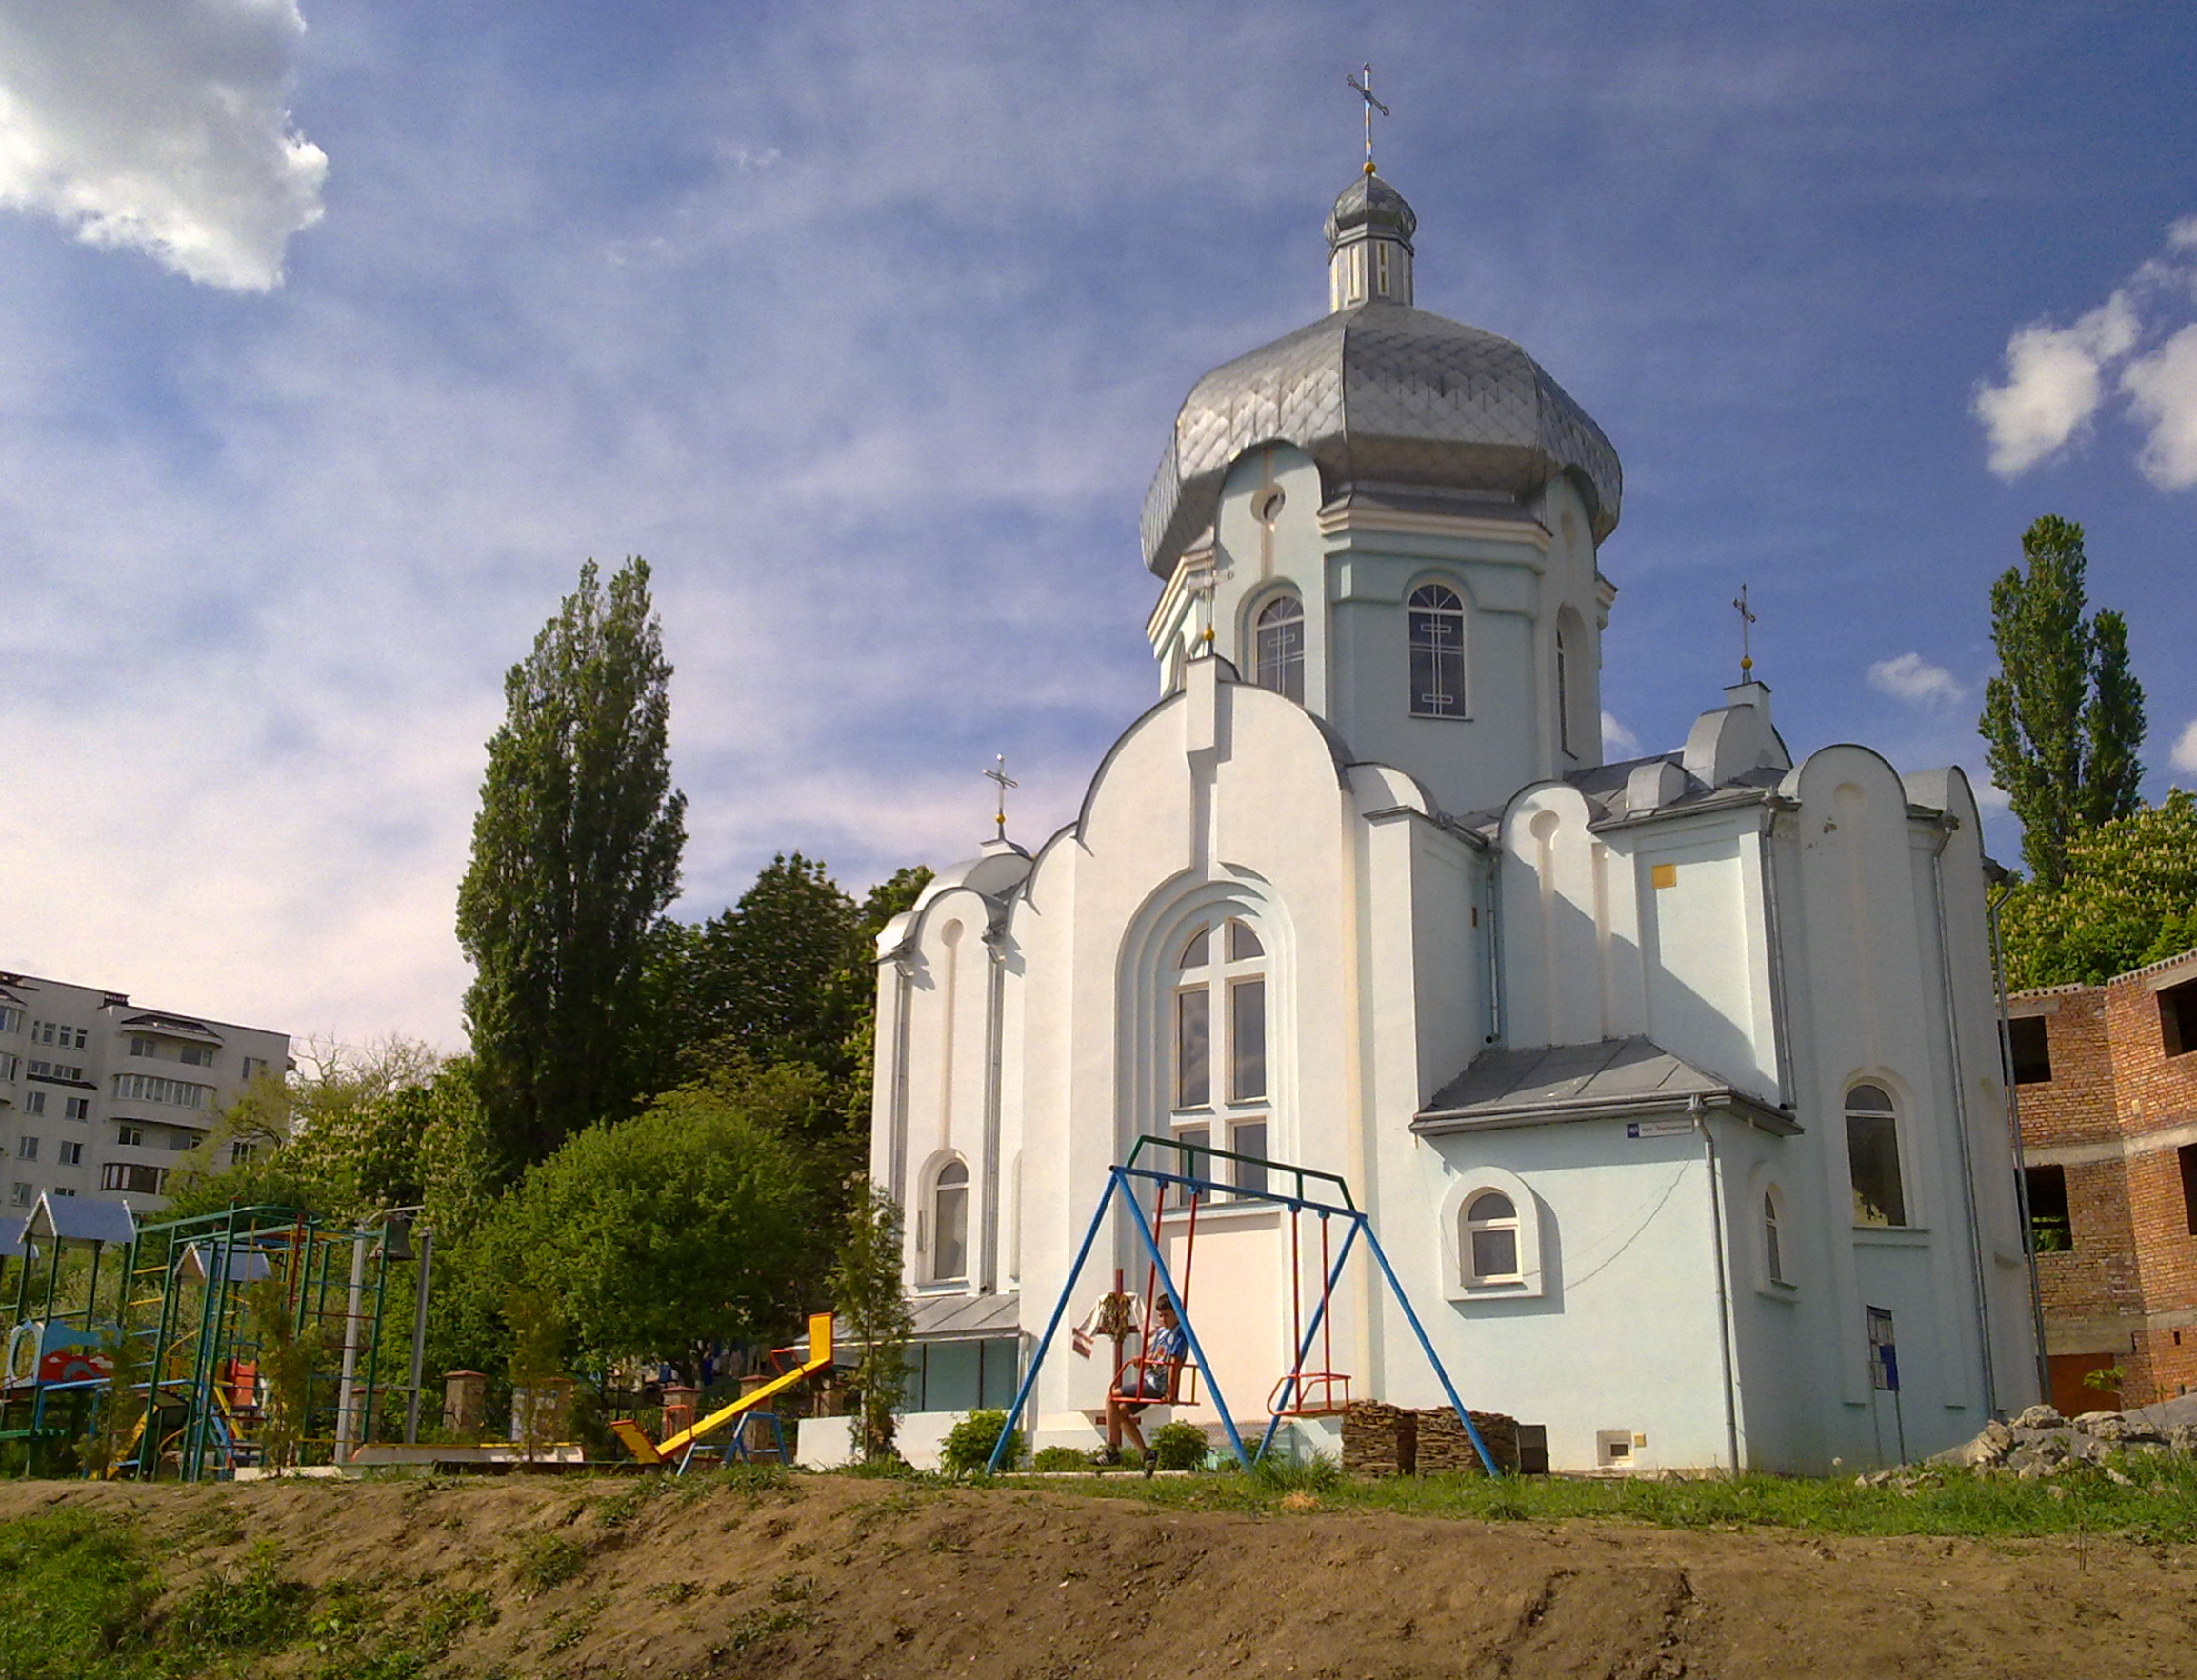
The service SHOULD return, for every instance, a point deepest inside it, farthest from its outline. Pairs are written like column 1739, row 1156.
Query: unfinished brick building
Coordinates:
column 2107, row 1077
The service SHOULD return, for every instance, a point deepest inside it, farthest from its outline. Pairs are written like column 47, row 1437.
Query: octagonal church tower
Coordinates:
column 1393, row 519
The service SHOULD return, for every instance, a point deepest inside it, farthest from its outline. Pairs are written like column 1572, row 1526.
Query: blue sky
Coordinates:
column 330, row 346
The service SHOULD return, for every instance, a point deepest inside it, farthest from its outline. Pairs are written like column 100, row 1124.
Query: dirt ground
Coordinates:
column 838, row 1578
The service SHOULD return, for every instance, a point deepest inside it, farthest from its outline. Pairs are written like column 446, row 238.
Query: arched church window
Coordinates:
column 1278, row 648
column 949, row 1224
column 1436, row 625
column 1773, row 1239
column 1219, row 1064
column 1490, row 1239
column 1873, row 1156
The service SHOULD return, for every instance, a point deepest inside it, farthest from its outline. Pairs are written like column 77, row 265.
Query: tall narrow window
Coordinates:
column 1278, row 652
column 1248, row 1137
column 1873, row 1157
column 2178, row 1018
column 1772, row 1242
column 1436, row 621
column 2185, row 1158
column 1490, row 1249
column 1220, row 1033
column 1563, row 689
column 1247, row 1040
column 2051, row 1227
column 949, row 1224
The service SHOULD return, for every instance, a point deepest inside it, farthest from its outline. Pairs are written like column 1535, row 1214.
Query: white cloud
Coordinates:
column 1618, row 741
column 1914, row 679
column 160, row 125
column 2054, row 384
column 2185, row 757
column 2057, row 377
column 2162, row 389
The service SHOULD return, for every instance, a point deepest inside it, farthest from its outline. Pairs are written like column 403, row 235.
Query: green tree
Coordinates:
column 576, row 858
column 2129, row 897
column 2064, row 719
column 770, row 974
column 685, row 1224
column 873, row 1316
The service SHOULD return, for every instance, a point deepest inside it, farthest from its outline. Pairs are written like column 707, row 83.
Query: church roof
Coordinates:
column 1382, row 393
column 1607, row 1080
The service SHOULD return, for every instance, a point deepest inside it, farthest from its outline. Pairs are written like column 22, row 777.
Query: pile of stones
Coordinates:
column 2040, row 1441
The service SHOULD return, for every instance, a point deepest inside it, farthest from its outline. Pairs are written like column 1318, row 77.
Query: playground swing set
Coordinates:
column 1143, row 1379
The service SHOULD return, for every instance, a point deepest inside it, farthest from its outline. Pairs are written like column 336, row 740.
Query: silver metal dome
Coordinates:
column 1381, row 394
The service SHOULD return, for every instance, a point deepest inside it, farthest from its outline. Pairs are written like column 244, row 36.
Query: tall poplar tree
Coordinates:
column 575, row 859
column 2064, row 719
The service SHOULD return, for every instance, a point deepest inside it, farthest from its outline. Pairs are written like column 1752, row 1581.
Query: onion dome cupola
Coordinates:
column 1380, row 393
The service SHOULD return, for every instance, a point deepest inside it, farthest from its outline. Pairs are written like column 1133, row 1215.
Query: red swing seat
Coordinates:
column 1318, row 1393
column 1132, row 1382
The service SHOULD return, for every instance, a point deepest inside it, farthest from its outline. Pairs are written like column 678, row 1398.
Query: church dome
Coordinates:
column 1381, row 394
column 1370, row 202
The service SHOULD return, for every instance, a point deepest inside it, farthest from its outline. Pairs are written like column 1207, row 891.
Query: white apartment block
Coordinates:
column 98, row 1097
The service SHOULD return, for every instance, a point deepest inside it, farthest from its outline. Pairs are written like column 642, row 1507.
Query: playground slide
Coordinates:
column 647, row 1451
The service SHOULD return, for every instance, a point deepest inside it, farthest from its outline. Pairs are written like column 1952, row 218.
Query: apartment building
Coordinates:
column 98, row 1096
column 2106, row 1080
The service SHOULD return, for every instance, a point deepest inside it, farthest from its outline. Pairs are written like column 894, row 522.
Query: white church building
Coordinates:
column 1672, row 1088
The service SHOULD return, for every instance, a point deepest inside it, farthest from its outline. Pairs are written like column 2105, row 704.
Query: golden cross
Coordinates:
column 1746, row 618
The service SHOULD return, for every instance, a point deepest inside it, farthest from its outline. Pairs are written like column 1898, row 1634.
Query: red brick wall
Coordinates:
column 2134, row 1262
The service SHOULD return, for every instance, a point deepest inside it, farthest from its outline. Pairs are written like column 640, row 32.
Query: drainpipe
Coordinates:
column 1495, row 941
column 1698, row 1111
column 1773, row 931
column 1958, row 1076
column 2004, row 880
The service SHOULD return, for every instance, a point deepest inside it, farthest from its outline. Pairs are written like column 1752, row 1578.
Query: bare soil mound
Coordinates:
column 838, row 1578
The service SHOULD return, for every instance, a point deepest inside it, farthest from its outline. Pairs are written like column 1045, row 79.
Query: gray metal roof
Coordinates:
column 1381, row 395
column 1554, row 1083
column 79, row 1219
column 947, row 1318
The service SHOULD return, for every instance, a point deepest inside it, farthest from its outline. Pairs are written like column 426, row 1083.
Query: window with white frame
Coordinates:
column 1873, row 1157
column 1436, row 626
column 1278, row 648
column 35, row 1102
column 71, row 1154
column 1222, row 1082
column 27, row 1148
column 950, row 1223
column 76, row 1107
column 1487, row 1245
column 241, row 1153
column 10, row 1018
column 19, row 1194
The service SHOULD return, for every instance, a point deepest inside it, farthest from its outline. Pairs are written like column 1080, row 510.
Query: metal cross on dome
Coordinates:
column 998, row 773
column 1365, row 91
column 1746, row 620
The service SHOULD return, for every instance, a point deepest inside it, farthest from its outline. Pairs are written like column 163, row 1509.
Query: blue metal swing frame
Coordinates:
column 1122, row 1182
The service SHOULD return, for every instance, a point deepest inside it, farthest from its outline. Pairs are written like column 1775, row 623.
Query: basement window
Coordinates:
column 2051, row 1230
column 2178, row 1018
column 2030, row 1047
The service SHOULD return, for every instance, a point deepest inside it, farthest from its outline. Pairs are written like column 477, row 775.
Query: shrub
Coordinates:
column 1179, row 1446
column 1051, row 1459
column 969, row 1442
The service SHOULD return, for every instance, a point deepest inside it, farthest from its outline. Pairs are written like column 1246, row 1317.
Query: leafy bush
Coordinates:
column 1051, row 1459
column 1179, row 1446
column 253, row 1610
column 1316, row 1474
column 547, row 1560
column 969, row 1442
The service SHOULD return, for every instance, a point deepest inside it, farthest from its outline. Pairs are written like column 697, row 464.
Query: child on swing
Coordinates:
column 1146, row 1380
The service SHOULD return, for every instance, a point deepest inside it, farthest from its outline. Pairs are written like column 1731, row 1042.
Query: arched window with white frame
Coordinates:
column 949, row 1223
column 1487, row 1245
column 1435, row 625
column 1278, row 648
column 1221, row 1097
column 1873, row 1156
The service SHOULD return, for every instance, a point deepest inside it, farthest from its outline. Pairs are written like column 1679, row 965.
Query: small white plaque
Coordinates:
column 1657, row 1127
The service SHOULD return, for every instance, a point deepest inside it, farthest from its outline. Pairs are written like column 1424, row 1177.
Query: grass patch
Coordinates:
column 76, row 1597
column 547, row 1560
column 2156, row 1507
